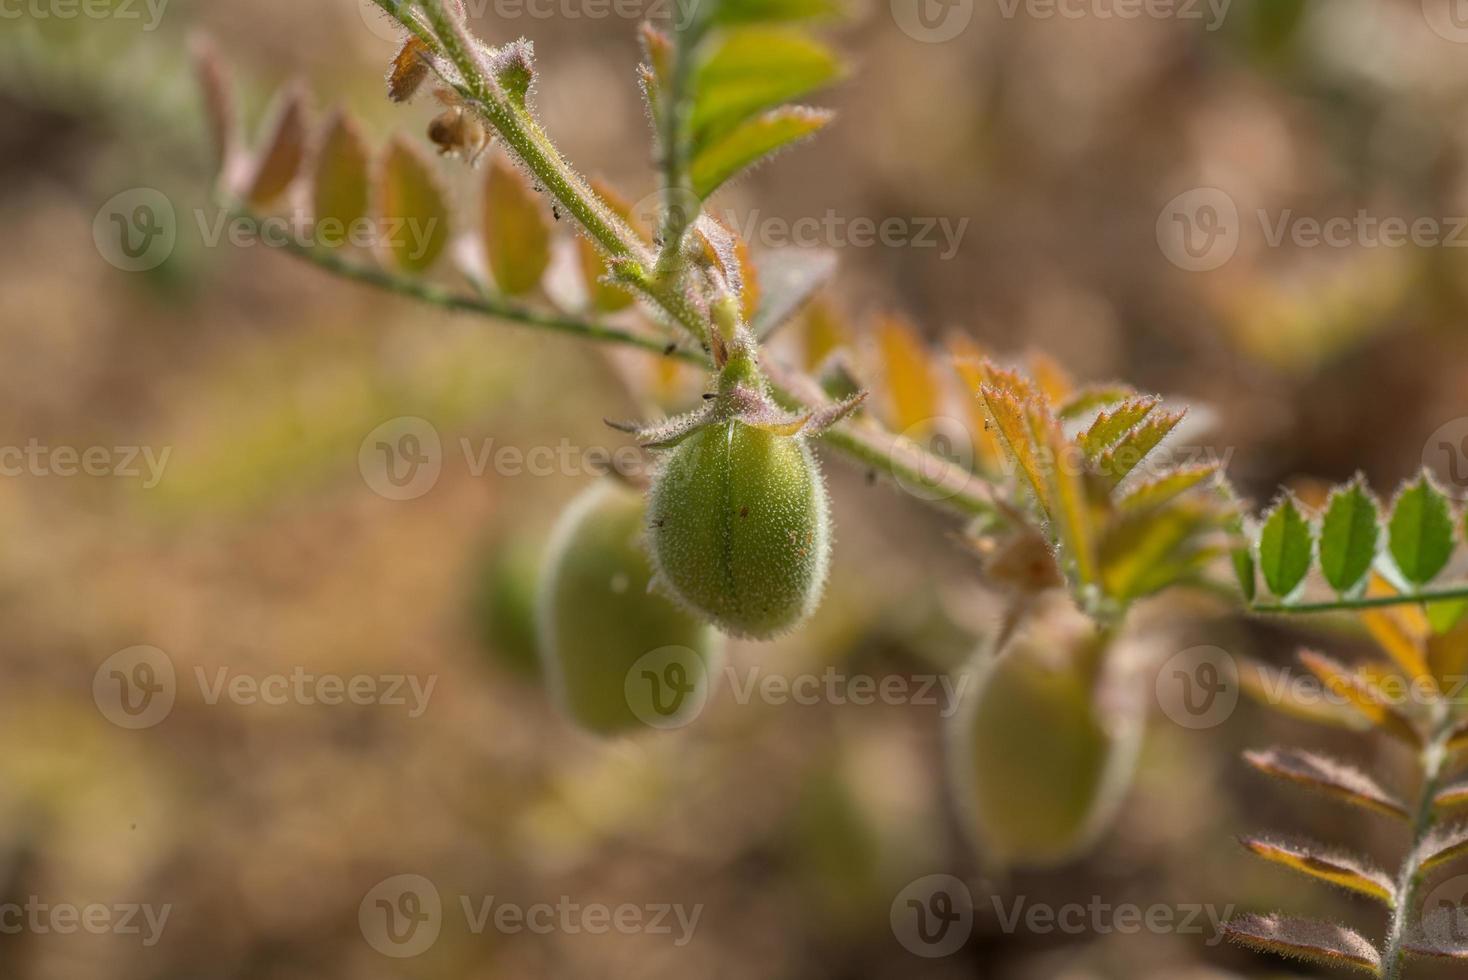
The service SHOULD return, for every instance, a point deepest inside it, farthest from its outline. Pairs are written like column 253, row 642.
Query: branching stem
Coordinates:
column 1433, row 761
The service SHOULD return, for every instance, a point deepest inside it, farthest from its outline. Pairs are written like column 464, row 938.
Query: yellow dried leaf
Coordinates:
column 340, row 188
column 912, row 392
column 517, row 237
column 283, row 150
column 413, row 218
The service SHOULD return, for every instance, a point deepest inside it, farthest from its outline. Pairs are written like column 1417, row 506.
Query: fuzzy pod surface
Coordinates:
column 740, row 528
column 1039, row 765
column 598, row 623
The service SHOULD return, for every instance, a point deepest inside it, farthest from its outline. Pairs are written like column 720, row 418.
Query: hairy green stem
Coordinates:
column 680, row 204
column 486, row 304
column 1433, row 761
column 528, row 142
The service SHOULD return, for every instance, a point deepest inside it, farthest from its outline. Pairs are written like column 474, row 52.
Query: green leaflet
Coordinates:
column 1284, row 548
column 1421, row 532
column 752, row 141
column 1348, row 536
column 753, row 69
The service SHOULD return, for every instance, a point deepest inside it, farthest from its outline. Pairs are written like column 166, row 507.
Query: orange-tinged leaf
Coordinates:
column 1342, row 870
column 1128, row 453
column 749, row 275
column 824, row 330
column 1112, row 424
column 341, row 188
column 1329, row 776
column 1402, row 633
column 912, row 393
column 517, row 237
column 1010, row 420
column 1092, row 398
column 1443, row 845
column 1364, row 697
column 414, row 218
column 604, row 297
column 1274, row 689
column 1451, row 796
column 283, row 150
column 968, row 359
column 1323, row 943
column 410, row 69
column 1447, row 653
column 1167, row 486
column 1070, row 510
column 1052, row 378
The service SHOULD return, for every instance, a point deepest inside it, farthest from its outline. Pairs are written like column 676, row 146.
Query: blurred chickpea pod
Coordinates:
column 1038, row 761
column 596, row 618
column 740, row 528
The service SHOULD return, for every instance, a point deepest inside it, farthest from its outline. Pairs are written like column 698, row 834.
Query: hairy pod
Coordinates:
column 604, row 635
column 739, row 528
column 1040, row 755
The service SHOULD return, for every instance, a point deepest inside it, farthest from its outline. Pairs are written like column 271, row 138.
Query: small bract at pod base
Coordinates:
column 739, row 524
column 1042, row 749
column 617, row 656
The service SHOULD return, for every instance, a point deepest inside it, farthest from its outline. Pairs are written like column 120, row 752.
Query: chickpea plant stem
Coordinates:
column 1433, row 761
